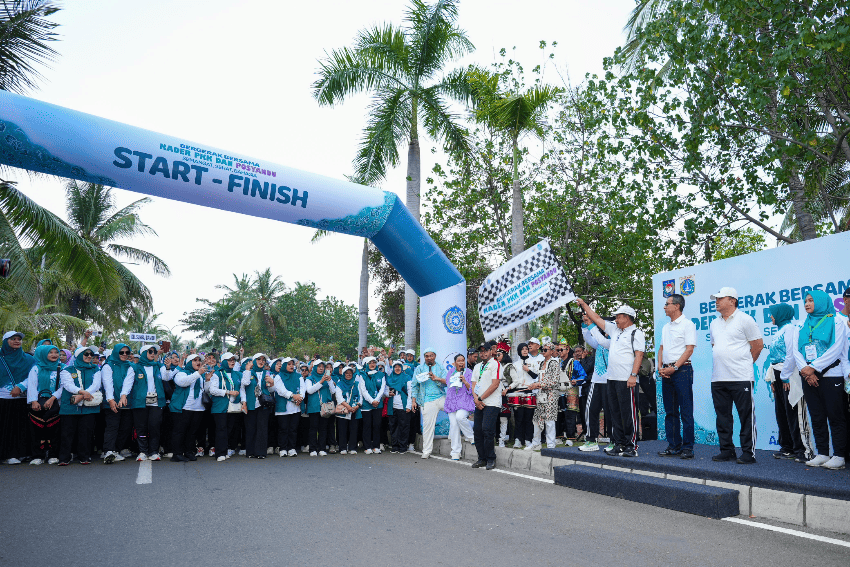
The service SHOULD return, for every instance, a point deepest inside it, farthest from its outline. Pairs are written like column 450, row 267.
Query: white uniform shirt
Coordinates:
column 730, row 342
column 675, row 337
column 483, row 379
column 594, row 337
column 621, row 357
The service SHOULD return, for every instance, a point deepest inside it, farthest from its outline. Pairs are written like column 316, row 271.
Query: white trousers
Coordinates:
column 550, row 433
column 503, row 428
column 429, row 422
column 459, row 425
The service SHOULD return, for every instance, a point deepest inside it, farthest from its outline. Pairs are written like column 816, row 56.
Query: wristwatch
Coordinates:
column 675, row 368
column 633, row 374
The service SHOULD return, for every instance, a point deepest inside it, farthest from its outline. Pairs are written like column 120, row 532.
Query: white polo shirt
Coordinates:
column 730, row 341
column 675, row 337
column 621, row 357
column 483, row 377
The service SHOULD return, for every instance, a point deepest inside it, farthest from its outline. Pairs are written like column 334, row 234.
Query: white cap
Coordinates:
column 369, row 359
column 337, row 364
column 427, row 350
column 226, row 356
column 148, row 347
column 725, row 292
column 11, row 334
column 285, row 360
column 192, row 357
column 303, row 365
column 107, row 352
column 258, row 355
column 534, row 340
column 625, row 310
column 399, row 362
column 346, row 369
column 244, row 360
column 83, row 349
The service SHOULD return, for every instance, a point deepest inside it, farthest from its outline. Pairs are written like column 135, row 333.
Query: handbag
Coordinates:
column 96, row 398
column 234, row 407
column 327, row 409
column 151, row 399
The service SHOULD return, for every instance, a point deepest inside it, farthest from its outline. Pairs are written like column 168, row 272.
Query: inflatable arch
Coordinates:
column 50, row 139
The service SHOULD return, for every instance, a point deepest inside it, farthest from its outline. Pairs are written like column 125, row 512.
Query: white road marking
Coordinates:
column 789, row 532
column 503, row 471
column 145, row 475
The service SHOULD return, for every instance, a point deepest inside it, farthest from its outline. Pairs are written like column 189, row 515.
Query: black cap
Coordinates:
column 471, row 350
column 483, row 347
column 846, row 293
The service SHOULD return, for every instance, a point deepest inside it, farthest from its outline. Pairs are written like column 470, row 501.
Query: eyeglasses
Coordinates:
column 545, row 349
column 124, row 352
column 562, row 350
column 88, row 353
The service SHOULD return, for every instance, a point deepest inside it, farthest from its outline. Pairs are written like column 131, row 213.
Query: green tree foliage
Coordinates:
column 744, row 241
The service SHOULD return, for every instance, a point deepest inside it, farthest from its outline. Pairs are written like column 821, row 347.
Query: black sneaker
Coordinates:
column 178, row 458
column 784, row 455
column 687, row 454
column 628, row 453
column 746, row 460
column 668, row 452
column 478, row 464
column 615, row 451
column 491, row 465
column 724, row 457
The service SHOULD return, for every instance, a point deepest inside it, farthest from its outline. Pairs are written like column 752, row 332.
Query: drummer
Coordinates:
column 521, row 397
column 507, row 370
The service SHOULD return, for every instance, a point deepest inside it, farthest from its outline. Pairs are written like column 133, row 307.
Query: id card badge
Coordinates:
column 811, row 353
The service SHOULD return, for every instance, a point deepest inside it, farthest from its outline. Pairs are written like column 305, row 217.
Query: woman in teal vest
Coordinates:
column 256, row 386
column 78, row 419
column 118, row 419
column 44, row 388
column 320, row 389
column 399, row 406
column 290, row 392
column 821, row 357
column 348, row 396
column 146, row 400
column 372, row 389
column 223, row 389
column 15, row 365
column 187, row 408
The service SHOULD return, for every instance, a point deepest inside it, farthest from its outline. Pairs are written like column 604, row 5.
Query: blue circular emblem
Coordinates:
column 454, row 320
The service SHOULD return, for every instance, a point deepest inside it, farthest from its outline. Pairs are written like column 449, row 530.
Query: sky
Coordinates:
column 237, row 76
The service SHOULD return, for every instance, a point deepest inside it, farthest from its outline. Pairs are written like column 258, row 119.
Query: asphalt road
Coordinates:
column 355, row 510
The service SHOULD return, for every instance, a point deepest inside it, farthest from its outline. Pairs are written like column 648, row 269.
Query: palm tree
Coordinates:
column 403, row 68
column 92, row 213
column 25, row 32
column 259, row 304
column 515, row 114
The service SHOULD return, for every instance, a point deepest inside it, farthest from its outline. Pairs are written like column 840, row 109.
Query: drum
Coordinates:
column 514, row 400
column 572, row 398
column 530, row 401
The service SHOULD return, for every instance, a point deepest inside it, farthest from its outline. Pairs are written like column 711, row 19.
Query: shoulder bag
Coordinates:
column 96, row 398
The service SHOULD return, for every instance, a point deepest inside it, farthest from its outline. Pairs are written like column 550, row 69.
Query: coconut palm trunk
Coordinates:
column 411, row 300
column 517, row 228
column 363, row 323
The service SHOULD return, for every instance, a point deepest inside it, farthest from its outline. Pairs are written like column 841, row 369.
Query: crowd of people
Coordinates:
column 57, row 405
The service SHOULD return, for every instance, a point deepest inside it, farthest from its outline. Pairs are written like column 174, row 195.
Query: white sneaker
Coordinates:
column 155, row 457
column 381, row 447
column 835, row 463
column 272, row 451
column 200, row 452
column 426, row 455
column 36, row 462
column 141, row 457
column 305, row 449
column 293, row 453
column 118, row 457
column 589, row 446
column 377, row 451
column 313, row 453
column 277, row 449
column 818, row 461
column 411, row 448
column 12, row 461
column 551, row 445
column 343, row 452
column 221, row 459
column 102, row 455
column 455, row 457
column 368, row 451
column 517, row 444
column 282, row 453
column 54, row 460
column 125, row 453
column 567, row 443
column 501, row 442
column 322, row 454
column 242, row 453
column 168, row 455
column 230, row 452
column 352, row 452
column 212, row 451
column 528, row 448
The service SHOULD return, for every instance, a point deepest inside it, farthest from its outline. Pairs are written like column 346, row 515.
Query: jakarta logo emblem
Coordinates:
column 687, row 285
column 454, row 320
column 669, row 288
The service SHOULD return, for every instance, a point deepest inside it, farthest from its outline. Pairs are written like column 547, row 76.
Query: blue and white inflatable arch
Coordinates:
column 50, row 139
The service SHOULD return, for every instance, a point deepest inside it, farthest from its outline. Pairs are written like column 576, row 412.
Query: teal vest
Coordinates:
column 179, row 397
column 373, row 384
column 292, row 382
column 65, row 406
column 136, row 399
column 219, row 403
column 316, row 399
column 249, row 390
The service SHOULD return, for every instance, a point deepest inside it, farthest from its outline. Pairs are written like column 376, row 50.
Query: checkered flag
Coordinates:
column 528, row 286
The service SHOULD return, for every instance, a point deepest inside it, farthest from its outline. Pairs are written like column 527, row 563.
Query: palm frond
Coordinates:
column 388, row 126
column 344, row 72
column 25, row 32
column 159, row 266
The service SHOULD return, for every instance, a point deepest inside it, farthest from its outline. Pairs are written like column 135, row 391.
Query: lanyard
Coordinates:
column 812, row 329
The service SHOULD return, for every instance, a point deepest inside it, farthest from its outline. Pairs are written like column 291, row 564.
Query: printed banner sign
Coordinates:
column 143, row 337
column 779, row 275
column 526, row 287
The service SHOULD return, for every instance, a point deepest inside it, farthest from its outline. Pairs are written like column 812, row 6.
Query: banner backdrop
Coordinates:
column 779, row 275
column 524, row 288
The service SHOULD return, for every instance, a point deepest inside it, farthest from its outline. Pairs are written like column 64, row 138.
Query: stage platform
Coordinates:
column 770, row 473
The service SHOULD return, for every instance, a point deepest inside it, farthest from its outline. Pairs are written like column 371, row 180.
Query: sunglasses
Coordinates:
column 88, row 353
column 545, row 350
column 562, row 350
column 124, row 352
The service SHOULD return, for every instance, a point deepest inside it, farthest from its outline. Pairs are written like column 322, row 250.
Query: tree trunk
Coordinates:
column 411, row 300
column 363, row 324
column 556, row 322
column 74, row 309
column 805, row 222
column 517, row 228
